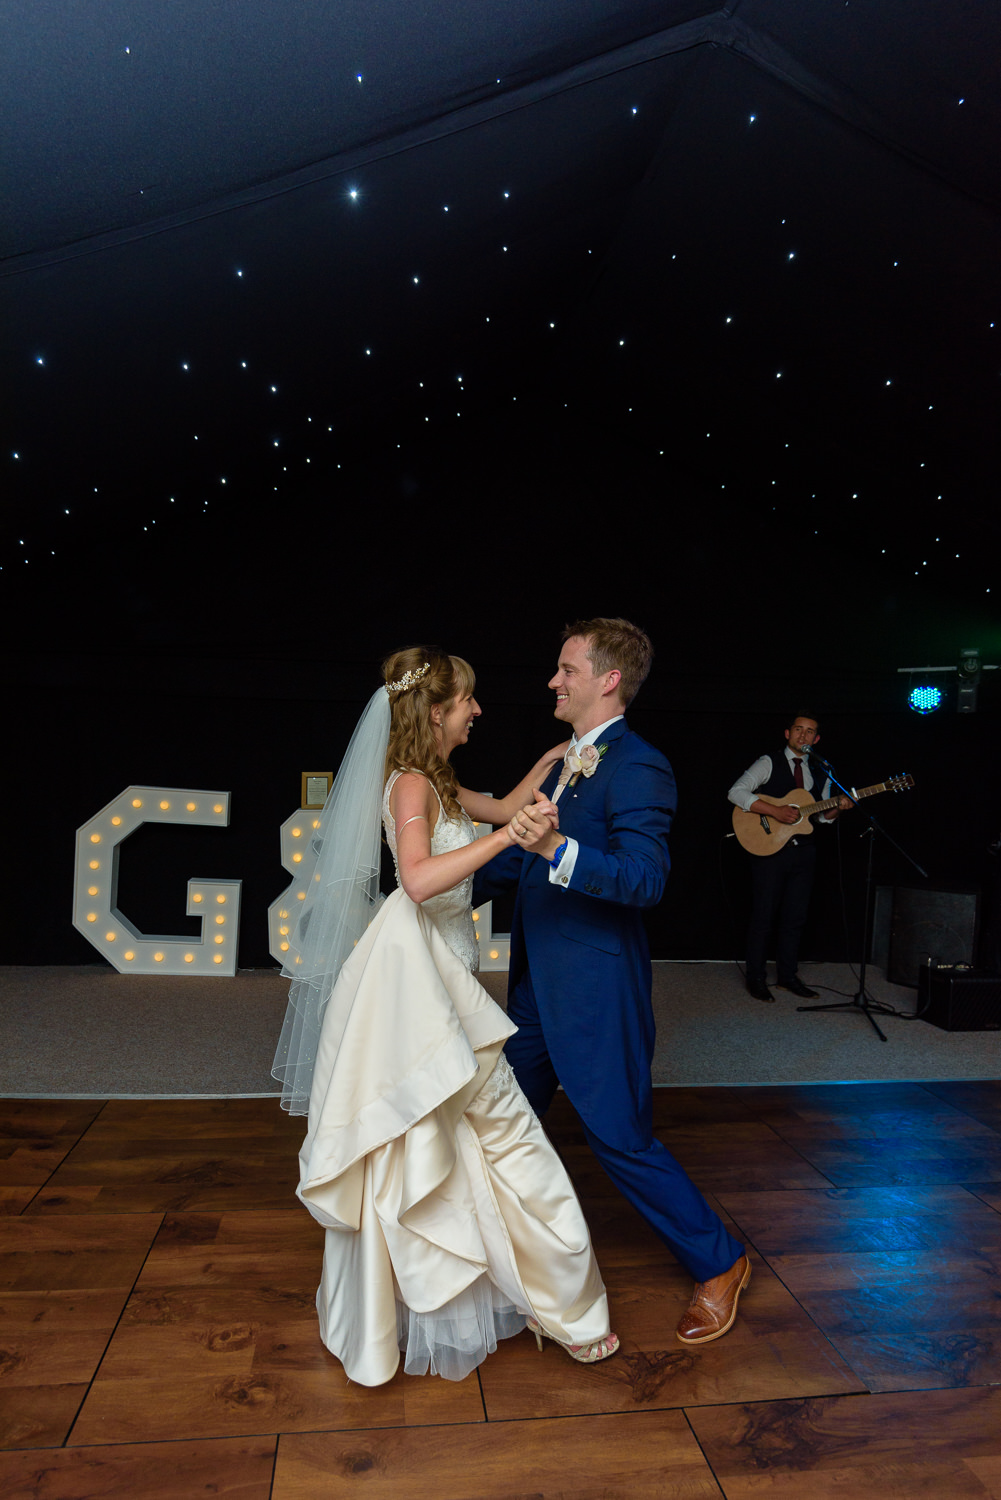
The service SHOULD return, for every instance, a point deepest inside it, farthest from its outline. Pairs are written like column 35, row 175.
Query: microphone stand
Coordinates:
column 861, row 1002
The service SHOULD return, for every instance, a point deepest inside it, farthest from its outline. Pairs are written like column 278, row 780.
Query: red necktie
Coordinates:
column 797, row 770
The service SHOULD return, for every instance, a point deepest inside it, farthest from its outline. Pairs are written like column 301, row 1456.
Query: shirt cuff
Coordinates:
column 564, row 870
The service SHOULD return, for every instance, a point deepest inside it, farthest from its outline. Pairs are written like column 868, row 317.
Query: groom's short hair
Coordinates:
column 615, row 645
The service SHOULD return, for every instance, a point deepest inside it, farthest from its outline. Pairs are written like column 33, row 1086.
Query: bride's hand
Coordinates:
column 544, row 806
column 557, row 754
column 533, row 823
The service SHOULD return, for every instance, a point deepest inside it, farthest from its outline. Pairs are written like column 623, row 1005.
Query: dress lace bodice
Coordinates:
column 451, row 912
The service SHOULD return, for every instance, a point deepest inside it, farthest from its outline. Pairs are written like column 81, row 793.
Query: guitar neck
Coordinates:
column 832, row 802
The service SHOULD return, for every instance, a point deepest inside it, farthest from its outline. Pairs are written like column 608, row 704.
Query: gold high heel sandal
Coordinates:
column 584, row 1354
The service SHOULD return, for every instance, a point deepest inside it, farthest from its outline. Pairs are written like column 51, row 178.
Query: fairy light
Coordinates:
column 96, row 911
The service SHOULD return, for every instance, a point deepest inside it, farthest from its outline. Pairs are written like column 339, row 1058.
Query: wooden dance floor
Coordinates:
column 158, row 1335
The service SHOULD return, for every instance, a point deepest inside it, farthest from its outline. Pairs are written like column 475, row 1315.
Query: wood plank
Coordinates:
column 900, row 1161
column 740, row 1155
column 773, row 1347
column 139, row 1196
column 675, row 1108
column 73, row 1253
column 824, row 1100
column 33, row 1162
column 55, row 1338
column 191, row 1119
column 233, row 1468
column 905, row 1322
column 33, row 1118
column 980, row 1098
column 906, row 1283
column 244, row 1250
column 175, row 1404
column 128, row 1175
column 643, row 1456
column 35, row 1137
column 897, row 1447
column 159, row 1155
column 34, row 1416
column 221, row 1338
column 941, row 1124
column 716, row 1154
column 845, row 1220
column 891, row 1112
column 14, row 1200
column 64, row 1283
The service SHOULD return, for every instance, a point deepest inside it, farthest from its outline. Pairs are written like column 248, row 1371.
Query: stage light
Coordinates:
column 151, row 954
column 925, row 700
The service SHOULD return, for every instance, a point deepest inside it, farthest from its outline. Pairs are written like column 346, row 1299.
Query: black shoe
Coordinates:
column 759, row 989
column 795, row 986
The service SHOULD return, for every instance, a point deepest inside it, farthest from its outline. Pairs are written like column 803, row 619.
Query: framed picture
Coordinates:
column 316, row 787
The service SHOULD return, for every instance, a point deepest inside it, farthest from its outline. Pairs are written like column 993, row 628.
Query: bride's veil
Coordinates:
column 340, row 900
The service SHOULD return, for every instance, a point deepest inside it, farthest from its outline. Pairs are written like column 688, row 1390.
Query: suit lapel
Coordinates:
column 609, row 737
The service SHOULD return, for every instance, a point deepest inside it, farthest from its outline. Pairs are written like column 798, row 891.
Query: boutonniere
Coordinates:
column 582, row 762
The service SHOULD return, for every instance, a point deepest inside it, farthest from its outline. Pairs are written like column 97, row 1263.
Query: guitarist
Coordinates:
column 782, row 882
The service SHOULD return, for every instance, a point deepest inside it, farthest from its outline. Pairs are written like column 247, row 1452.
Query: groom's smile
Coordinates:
column 581, row 698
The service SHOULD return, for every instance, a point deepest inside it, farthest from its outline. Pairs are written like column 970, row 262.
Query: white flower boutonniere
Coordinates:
column 582, row 762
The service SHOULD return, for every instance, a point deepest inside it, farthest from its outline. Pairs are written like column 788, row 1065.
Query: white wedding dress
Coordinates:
column 448, row 1214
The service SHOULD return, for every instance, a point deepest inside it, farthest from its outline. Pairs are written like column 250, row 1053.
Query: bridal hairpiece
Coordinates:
column 408, row 679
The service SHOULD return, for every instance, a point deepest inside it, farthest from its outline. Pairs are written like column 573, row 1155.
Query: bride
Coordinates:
column 449, row 1219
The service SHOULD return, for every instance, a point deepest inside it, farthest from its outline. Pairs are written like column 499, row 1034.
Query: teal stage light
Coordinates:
column 925, row 700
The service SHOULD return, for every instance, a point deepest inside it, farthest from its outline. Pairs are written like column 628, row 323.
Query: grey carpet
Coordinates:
column 91, row 1033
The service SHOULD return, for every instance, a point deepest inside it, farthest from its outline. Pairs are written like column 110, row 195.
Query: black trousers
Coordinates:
column 780, row 897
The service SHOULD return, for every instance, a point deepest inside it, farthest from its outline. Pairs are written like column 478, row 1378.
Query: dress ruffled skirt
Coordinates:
column 449, row 1217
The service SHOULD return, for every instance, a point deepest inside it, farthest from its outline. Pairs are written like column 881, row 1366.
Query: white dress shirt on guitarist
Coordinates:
column 745, row 789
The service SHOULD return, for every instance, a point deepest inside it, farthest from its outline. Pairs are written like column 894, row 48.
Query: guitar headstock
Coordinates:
column 899, row 783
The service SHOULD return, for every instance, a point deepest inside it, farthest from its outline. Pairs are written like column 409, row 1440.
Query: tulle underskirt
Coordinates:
column 453, row 1339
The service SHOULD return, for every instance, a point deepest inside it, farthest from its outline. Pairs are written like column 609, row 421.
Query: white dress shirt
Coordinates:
column 564, row 870
column 745, row 789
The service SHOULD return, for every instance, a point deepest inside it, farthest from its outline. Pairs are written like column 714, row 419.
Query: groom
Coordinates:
column 580, row 980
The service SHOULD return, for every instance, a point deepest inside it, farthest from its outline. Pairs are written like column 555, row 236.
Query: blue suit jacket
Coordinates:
column 585, row 944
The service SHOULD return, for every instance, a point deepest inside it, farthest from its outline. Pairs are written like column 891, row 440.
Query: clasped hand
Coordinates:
column 534, row 823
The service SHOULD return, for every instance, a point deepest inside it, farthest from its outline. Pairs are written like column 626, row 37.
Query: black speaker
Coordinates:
column 936, row 925
column 959, row 999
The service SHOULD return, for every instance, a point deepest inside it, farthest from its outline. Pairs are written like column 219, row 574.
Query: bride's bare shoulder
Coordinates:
column 410, row 796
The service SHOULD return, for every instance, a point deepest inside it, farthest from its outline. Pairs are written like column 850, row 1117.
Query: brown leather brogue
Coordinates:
column 713, row 1308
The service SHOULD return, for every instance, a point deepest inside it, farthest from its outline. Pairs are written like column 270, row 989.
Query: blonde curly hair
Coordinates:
column 412, row 743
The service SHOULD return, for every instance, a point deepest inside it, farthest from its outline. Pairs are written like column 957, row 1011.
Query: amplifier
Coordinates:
column 930, row 924
column 959, row 998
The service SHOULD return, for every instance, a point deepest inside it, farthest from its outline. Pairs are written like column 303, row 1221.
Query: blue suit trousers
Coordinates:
column 650, row 1178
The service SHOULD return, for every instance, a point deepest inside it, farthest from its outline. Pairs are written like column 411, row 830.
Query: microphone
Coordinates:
column 814, row 755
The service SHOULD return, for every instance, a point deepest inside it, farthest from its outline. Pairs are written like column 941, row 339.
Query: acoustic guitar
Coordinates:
column 760, row 834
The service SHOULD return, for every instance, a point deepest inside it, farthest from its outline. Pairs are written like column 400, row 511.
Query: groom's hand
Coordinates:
column 541, row 819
